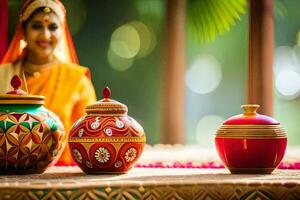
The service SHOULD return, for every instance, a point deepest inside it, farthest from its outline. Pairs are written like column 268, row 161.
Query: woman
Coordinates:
column 48, row 63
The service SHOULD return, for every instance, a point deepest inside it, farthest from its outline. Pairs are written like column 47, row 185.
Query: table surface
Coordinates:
column 70, row 177
column 61, row 183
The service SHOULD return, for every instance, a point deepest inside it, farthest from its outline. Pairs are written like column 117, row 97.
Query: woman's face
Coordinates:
column 42, row 33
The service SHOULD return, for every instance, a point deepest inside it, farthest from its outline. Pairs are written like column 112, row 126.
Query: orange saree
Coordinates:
column 66, row 85
column 67, row 90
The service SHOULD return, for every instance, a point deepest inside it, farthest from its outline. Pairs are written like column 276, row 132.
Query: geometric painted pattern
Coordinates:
column 29, row 141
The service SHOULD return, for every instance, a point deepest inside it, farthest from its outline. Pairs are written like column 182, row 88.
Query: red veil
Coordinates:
column 17, row 50
column 3, row 26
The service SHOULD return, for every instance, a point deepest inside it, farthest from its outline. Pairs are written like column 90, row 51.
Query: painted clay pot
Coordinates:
column 31, row 137
column 106, row 140
column 251, row 143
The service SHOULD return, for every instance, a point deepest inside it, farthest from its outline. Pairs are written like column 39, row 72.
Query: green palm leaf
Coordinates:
column 205, row 18
column 208, row 18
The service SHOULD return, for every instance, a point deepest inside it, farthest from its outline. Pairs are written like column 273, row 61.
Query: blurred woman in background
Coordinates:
column 43, row 55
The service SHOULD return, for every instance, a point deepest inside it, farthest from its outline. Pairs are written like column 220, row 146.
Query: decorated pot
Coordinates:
column 106, row 140
column 251, row 142
column 31, row 137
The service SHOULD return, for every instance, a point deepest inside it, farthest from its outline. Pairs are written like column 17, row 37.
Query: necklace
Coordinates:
column 34, row 70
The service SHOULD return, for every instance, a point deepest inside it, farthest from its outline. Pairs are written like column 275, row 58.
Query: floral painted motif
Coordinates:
column 109, row 144
column 130, row 154
column 77, row 155
column 102, row 155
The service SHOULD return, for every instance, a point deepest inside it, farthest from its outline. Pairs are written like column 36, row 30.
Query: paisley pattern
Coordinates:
column 29, row 141
column 111, row 144
column 94, row 127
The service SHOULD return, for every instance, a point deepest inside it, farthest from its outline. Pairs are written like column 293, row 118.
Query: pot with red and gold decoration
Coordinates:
column 31, row 137
column 251, row 142
column 106, row 140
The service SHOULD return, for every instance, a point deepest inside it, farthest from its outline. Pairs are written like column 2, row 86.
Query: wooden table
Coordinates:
column 151, row 183
column 65, row 183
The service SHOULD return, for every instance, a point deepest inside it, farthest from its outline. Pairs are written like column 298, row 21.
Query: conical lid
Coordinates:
column 107, row 106
column 18, row 96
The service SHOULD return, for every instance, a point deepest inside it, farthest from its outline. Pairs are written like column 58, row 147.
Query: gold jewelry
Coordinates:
column 36, row 70
column 52, row 5
column 47, row 10
column 23, row 43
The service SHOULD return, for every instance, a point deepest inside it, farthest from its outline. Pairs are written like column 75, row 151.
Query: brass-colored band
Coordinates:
column 251, row 131
column 250, row 126
column 106, row 111
column 250, row 137
column 108, row 139
column 230, row 134
column 258, row 131
column 249, row 134
column 23, row 101
column 16, row 96
column 106, row 115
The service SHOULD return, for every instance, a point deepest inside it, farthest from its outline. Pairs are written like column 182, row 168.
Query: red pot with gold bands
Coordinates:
column 106, row 140
column 251, row 142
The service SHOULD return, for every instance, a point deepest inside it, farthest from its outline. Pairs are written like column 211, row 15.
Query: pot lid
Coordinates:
column 107, row 106
column 19, row 96
column 250, row 116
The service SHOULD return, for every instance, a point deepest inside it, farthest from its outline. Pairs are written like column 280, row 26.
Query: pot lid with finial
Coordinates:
column 19, row 96
column 250, row 116
column 251, row 125
column 107, row 106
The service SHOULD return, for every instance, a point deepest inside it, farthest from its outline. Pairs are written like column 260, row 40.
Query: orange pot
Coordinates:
column 106, row 140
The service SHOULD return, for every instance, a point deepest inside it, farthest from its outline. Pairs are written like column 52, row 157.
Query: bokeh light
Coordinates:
column 128, row 42
column 287, row 71
column 147, row 38
column 288, row 83
column 204, row 75
column 118, row 63
column 285, row 58
column 125, row 41
column 206, row 129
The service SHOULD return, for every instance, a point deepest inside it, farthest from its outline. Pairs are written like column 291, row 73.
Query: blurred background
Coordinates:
column 121, row 41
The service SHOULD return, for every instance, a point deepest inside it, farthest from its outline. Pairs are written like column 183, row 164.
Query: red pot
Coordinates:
column 106, row 140
column 251, row 143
